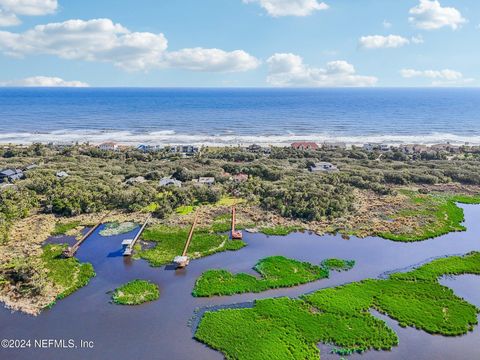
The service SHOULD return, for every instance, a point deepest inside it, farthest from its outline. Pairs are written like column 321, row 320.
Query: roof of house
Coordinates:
column 206, row 179
column 241, row 176
column 323, row 163
column 62, row 174
column 8, row 172
column 168, row 181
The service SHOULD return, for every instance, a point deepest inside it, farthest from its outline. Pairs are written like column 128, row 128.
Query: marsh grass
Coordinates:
column 61, row 228
column 68, row 274
column 275, row 272
column 280, row 230
column 439, row 215
column 290, row 328
column 116, row 228
column 135, row 293
column 171, row 240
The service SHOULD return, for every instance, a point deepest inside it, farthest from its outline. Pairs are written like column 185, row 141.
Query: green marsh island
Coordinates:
column 136, row 292
column 291, row 328
column 276, row 272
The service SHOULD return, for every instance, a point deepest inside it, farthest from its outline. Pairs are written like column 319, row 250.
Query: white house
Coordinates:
column 61, row 174
column 170, row 182
column 108, row 146
column 209, row 181
column 323, row 167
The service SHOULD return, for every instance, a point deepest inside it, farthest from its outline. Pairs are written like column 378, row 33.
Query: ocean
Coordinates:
column 239, row 116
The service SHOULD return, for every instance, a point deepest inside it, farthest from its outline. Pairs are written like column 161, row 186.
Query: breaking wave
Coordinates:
column 170, row 137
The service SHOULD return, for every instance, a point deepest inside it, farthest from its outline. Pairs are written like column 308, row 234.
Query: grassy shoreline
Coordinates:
column 286, row 328
column 276, row 272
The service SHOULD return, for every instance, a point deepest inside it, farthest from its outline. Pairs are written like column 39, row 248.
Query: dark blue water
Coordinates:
column 240, row 116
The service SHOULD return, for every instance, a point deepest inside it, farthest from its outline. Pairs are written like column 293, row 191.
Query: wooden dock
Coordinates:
column 235, row 234
column 182, row 261
column 72, row 250
column 130, row 243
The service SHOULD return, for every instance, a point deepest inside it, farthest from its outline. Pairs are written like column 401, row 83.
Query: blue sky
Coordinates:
column 248, row 43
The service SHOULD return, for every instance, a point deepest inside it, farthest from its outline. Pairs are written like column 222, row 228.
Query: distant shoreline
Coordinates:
column 227, row 139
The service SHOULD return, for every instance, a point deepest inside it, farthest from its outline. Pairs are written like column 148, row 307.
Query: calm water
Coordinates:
column 159, row 330
column 240, row 116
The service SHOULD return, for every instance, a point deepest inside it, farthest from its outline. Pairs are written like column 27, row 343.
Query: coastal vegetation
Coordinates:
column 435, row 215
column 135, row 293
column 170, row 241
column 116, row 228
column 279, row 193
column 396, row 195
column 290, row 328
column 68, row 275
column 61, row 228
column 280, row 230
column 275, row 272
column 338, row 264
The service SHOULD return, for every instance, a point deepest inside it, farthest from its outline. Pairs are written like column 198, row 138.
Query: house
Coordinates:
column 334, row 145
column 407, row 149
column 369, row 147
column 149, row 148
column 184, row 149
column 254, row 148
column 30, row 167
column 11, row 175
column 257, row 149
column 133, row 180
column 420, row 149
column 240, row 177
column 208, row 181
column 323, row 167
column 304, row 145
column 413, row 148
column 170, row 182
column 62, row 174
column 446, row 147
column 108, row 146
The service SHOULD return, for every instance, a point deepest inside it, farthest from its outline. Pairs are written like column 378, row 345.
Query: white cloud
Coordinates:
column 9, row 9
column 199, row 59
column 445, row 77
column 278, row 8
column 44, row 81
column 379, row 41
column 387, row 42
column 8, row 19
column 289, row 70
column 104, row 41
column 29, row 7
column 430, row 15
column 445, row 74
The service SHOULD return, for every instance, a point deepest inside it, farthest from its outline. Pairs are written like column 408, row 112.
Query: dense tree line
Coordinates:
column 279, row 181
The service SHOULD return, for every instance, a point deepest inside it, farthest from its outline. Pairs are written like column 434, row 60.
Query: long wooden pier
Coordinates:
column 182, row 260
column 72, row 250
column 235, row 234
column 130, row 243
